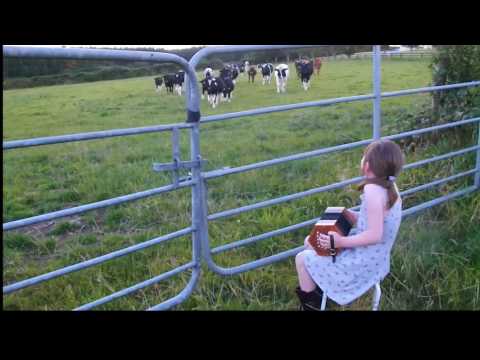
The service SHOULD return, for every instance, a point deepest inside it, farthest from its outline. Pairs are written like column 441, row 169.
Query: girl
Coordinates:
column 365, row 258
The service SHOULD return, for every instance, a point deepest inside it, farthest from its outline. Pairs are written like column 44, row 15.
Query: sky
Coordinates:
column 167, row 47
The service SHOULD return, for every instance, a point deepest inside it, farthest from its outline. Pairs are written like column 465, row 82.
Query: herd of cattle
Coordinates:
column 221, row 87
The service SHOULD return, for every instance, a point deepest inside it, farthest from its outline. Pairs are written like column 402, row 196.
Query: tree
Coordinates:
column 349, row 50
column 454, row 64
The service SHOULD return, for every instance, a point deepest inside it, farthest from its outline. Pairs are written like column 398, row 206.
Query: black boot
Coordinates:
column 310, row 301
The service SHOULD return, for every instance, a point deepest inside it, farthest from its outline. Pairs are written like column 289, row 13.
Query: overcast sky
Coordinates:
column 167, row 47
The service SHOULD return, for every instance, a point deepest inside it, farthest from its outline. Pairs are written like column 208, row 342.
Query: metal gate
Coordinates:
column 198, row 183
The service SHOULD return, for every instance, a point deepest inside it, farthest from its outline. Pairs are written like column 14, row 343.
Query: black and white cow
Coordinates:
column 230, row 71
column 179, row 81
column 241, row 69
column 204, row 83
column 174, row 82
column 214, row 89
column 235, row 73
column 158, row 84
column 298, row 67
column 208, row 72
column 169, row 81
column 281, row 76
column 306, row 72
column 219, row 88
column 228, row 87
column 267, row 72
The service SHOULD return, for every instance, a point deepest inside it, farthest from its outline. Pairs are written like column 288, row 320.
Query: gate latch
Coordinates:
column 177, row 163
column 175, row 166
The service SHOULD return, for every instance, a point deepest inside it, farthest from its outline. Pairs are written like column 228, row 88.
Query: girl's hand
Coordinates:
column 324, row 240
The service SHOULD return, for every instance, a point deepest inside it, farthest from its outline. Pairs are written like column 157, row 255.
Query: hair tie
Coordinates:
column 392, row 178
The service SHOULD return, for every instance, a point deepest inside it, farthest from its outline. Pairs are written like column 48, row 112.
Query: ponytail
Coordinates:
column 386, row 184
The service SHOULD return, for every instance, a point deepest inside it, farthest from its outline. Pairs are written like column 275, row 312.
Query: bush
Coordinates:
column 18, row 83
column 215, row 64
column 87, row 74
column 455, row 64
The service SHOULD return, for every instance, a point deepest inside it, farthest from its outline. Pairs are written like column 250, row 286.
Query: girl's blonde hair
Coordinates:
column 385, row 161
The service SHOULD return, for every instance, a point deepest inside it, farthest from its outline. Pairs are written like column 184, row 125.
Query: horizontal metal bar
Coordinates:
column 281, row 160
column 15, row 144
column 207, row 51
column 91, row 54
column 282, row 256
column 93, row 206
column 263, row 164
column 437, row 182
column 95, row 261
column 175, row 166
column 437, row 201
column 441, row 157
column 280, row 108
column 184, row 294
column 328, row 102
column 294, row 227
column 136, row 287
column 192, row 102
column 429, row 89
column 282, row 199
column 270, row 234
column 255, row 264
column 150, row 129
column 432, row 128
column 263, row 236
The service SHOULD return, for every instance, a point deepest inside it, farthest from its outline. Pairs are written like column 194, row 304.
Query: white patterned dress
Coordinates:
column 356, row 269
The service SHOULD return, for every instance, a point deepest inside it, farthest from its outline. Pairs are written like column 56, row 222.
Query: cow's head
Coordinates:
column 226, row 72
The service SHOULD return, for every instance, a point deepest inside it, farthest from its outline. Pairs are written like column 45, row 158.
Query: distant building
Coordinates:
column 396, row 49
column 400, row 48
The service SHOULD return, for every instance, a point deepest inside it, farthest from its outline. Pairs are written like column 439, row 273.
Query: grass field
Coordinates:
column 435, row 264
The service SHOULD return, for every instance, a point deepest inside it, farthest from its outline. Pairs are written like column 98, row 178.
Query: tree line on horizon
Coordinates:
column 25, row 73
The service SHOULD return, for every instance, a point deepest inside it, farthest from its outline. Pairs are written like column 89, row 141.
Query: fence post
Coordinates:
column 377, row 92
column 193, row 105
column 477, row 174
column 199, row 201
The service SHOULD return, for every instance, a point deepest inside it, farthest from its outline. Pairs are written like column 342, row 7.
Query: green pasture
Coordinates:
column 435, row 263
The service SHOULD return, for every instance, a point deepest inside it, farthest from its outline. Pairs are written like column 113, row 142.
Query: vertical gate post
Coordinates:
column 199, row 198
column 199, row 217
column 377, row 92
column 477, row 174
